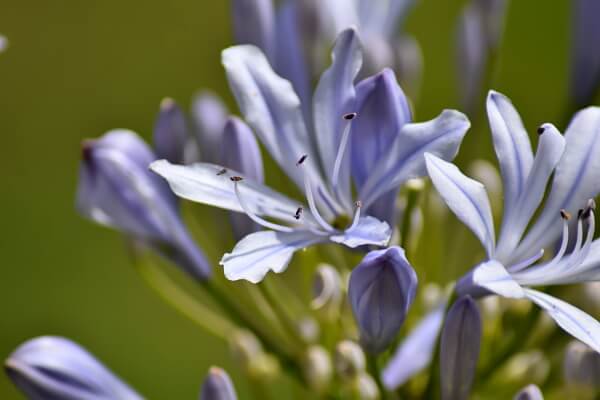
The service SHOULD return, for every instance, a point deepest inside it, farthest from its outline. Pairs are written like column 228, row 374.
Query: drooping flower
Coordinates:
column 459, row 349
column 217, row 386
column 381, row 290
column 314, row 157
column 56, row 368
column 515, row 261
column 116, row 189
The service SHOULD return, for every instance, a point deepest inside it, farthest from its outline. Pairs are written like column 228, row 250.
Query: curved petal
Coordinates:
column 209, row 184
column 576, row 179
column 404, row 160
column 368, row 230
column 415, row 352
column 209, row 115
column 334, row 97
column 254, row 23
column 550, row 150
column 466, row 197
column 261, row 252
column 382, row 17
column 493, row 276
column 512, row 147
column 577, row 323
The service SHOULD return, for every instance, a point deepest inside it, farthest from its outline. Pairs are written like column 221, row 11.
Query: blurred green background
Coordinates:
column 75, row 69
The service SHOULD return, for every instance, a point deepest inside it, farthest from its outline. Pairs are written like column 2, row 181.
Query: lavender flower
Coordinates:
column 217, row 386
column 209, row 116
column 529, row 392
column 514, row 261
column 585, row 60
column 382, row 289
column 315, row 159
column 116, row 189
column 170, row 132
column 56, row 368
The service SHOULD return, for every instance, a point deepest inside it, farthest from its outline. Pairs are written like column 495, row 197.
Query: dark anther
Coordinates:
column 580, row 213
column 221, row 172
column 236, row 178
column 587, row 211
column 298, row 213
column 540, row 130
column 565, row 215
column 302, row 159
column 358, row 204
column 350, row 116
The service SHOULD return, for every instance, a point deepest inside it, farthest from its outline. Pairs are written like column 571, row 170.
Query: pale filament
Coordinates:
column 256, row 218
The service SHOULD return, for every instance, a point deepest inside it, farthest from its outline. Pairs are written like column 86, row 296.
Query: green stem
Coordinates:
column 373, row 368
column 284, row 319
column 412, row 200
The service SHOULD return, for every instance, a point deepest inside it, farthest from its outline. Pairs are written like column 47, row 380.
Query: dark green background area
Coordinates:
column 76, row 68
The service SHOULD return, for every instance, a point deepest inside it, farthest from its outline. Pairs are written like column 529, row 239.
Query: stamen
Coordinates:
column 222, row 172
column 356, row 215
column 298, row 213
column 526, row 263
column 576, row 259
column 254, row 217
column 565, row 215
column 540, row 130
column 302, row 159
column 313, row 207
column 564, row 241
column 236, row 179
column 342, row 149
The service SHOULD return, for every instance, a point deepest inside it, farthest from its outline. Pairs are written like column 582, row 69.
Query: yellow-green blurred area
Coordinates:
column 75, row 69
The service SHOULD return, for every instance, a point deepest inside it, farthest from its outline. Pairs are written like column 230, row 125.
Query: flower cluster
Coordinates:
column 348, row 165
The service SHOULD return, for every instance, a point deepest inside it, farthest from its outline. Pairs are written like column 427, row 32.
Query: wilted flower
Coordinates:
column 217, row 386
column 314, row 160
column 585, row 60
column 117, row 189
column 514, row 262
column 382, row 288
column 459, row 349
column 51, row 367
column 529, row 392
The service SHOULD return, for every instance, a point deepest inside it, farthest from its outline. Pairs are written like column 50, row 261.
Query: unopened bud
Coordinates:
column 327, row 291
column 317, row 368
column 349, row 359
column 364, row 387
column 581, row 365
column 217, row 386
column 529, row 392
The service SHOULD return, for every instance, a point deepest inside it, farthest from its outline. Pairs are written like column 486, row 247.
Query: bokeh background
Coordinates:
column 75, row 69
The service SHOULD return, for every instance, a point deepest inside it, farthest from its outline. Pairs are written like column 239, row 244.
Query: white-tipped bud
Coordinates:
column 308, row 329
column 349, row 359
column 581, row 365
column 317, row 368
column 248, row 351
column 327, row 291
column 532, row 367
column 364, row 387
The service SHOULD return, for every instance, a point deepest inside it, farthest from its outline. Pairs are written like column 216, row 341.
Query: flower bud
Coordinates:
column 529, row 392
column 317, row 368
column 170, row 132
column 209, row 115
column 240, row 152
column 363, row 387
column 581, row 365
column 50, row 367
column 585, row 63
column 254, row 23
column 117, row 189
column 459, row 348
column 327, row 291
column 248, row 351
column 409, row 65
column 532, row 365
column 349, row 359
column 382, row 288
column 217, row 386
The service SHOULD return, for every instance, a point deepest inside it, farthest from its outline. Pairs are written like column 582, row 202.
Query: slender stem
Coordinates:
column 373, row 368
column 412, row 199
column 182, row 302
column 276, row 305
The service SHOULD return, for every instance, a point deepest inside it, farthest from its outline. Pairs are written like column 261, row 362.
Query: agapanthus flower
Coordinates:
column 314, row 154
column 514, row 262
column 585, row 59
column 217, row 386
column 116, row 189
column 50, row 367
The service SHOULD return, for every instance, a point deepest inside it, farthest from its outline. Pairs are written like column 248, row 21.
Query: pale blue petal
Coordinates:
column 512, row 147
column 466, row 197
column 50, row 367
column 585, row 61
column 382, row 17
column 577, row 323
column 254, row 23
column 368, row 231
column 209, row 115
column 404, row 160
column 261, row 252
column 334, row 97
column 494, row 277
column 576, row 179
column 415, row 352
column 550, row 150
column 204, row 183
column 589, row 269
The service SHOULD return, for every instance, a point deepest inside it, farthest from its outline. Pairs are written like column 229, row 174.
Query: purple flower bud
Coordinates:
column 382, row 288
column 459, row 351
column 254, row 23
column 209, row 115
column 56, row 368
column 581, row 365
column 585, row 65
column 170, row 132
column 241, row 153
column 217, row 386
column 529, row 392
column 117, row 189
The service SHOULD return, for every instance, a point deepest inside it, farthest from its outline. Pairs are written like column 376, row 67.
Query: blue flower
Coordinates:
column 381, row 290
column 514, row 262
column 585, row 60
column 56, row 368
column 217, row 386
column 314, row 156
column 116, row 189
